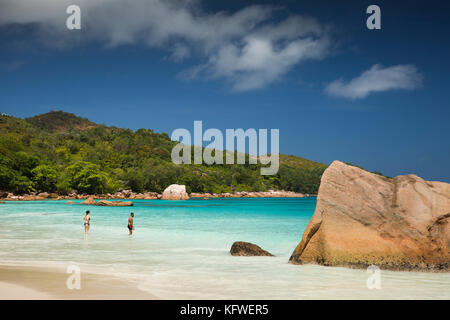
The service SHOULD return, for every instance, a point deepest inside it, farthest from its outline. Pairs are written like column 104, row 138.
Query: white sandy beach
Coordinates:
column 30, row 283
column 9, row 291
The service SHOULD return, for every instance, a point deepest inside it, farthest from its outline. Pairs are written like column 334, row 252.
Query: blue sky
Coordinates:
column 306, row 68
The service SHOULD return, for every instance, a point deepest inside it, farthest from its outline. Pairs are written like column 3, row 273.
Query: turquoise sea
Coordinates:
column 180, row 249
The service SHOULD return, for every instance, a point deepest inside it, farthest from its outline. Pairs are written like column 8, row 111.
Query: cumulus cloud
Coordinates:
column 377, row 79
column 250, row 48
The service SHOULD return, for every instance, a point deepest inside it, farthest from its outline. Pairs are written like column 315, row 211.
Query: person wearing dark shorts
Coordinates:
column 130, row 223
column 87, row 221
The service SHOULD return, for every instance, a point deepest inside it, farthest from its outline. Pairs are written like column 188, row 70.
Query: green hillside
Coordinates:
column 60, row 152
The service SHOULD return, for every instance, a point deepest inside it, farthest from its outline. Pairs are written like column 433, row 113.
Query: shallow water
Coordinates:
column 180, row 249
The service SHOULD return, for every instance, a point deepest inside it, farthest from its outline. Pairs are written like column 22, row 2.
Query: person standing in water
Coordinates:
column 87, row 221
column 130, row 223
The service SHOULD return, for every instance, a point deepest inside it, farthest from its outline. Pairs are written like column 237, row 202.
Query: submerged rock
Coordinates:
column 105, row 203
column 241, row 248
column 117, row 203
column 70, row 202
column 175, row 192
column 364, row 219
column 89, row 201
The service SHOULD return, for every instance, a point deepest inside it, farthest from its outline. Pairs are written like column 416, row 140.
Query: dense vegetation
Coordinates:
column 60, row 152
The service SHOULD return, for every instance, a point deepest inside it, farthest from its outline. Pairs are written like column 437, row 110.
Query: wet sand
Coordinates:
column 30, row 283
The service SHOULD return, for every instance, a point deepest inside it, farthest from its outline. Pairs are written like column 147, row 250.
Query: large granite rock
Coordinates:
column 44, row 195
column 241, row 248
column 363, row 219
column 175, row 192
column 32, row 198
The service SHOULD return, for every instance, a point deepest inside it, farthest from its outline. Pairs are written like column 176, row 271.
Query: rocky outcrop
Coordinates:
column 31, row 198
column 73, row 195
column 364, row 219
column 117, row 203
column 44, row 195
column 89, row 201
column 106, row 203
column 175, row 192
column 251, row 194
column 241, row 248
column 129, row 195
column 70, row 202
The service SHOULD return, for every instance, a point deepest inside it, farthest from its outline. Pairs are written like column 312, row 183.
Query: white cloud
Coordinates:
column 249, row 48
column 377, row 79
column 258, row 61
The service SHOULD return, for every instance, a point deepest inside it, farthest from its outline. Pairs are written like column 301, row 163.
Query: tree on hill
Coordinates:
column 58, row 152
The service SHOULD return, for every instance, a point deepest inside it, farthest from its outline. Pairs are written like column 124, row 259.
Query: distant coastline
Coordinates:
column 59, row 152
column 129, row 195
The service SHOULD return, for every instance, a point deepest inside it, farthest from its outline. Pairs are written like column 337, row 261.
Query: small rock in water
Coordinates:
column 241, row 248
column 117, row 203
column 89, row 201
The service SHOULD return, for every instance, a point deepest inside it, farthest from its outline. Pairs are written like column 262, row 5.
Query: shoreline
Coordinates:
column 47, row 283
column 128, row 195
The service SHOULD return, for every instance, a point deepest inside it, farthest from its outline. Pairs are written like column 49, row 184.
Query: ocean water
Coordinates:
column 180, row 249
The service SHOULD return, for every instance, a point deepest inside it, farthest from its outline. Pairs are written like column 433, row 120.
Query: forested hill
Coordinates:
column 60, row 152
